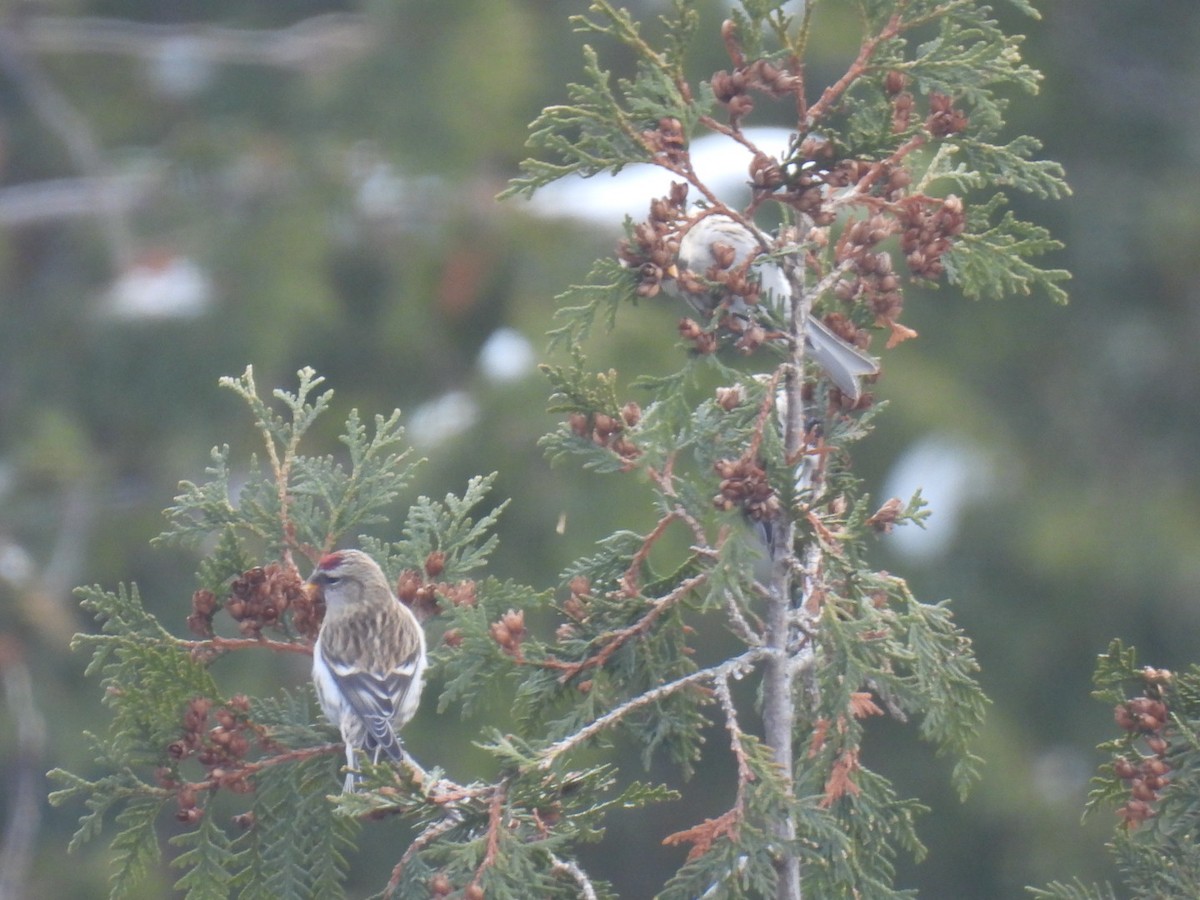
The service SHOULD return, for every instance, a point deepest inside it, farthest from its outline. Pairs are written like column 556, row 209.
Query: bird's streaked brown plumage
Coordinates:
column 369, row 658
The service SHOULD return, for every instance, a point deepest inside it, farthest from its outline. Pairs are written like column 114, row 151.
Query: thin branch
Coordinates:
column 744, row 774
column 220, row 776
column 431, row 833
column 827, row 283
column 495, row 823
column 766, row 408
column 739, row 624
column 915, row 142
column 665, row 479
column 614, row 639
column 221, row 645
column 617, row 639
column 735, row 134
column 629, row 581
column 573, row 870
column 701, row 545
column 735, row 667
column 687, row 173
column 727, row 824
column 832, row 93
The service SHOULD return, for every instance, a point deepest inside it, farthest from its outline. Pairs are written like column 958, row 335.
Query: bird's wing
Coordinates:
column 374, row 698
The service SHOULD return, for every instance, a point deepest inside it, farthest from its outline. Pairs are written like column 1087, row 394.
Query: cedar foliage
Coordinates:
column 1151, row 778
column 763, row 530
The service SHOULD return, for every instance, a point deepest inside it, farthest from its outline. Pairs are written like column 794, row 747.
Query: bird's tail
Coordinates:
column 845, row 364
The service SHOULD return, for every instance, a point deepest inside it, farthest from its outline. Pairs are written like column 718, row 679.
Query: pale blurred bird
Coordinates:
column 845, row 364
column 369, row 659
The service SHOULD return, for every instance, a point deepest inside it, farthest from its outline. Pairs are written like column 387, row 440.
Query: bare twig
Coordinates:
column 576, row 873
column 738, row 622
column 744, row 773
column 734, row 667
column 431, row 833
column 219, row 645
column 735, row 134
column 629, row 581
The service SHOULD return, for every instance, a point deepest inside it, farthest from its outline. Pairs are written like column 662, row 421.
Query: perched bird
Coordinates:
column 369, row 658
column 845, row 364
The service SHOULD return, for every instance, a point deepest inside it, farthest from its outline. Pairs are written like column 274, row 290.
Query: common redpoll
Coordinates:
column 845, row 364
column 369, row 657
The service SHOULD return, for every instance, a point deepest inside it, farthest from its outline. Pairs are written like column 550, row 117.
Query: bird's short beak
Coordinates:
column 311, row 589
column 672, row 270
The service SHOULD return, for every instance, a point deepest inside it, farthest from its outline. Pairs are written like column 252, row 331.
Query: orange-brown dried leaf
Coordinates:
column 898, row 333
column 704, row 835
column 840, row 782
column 861, row 705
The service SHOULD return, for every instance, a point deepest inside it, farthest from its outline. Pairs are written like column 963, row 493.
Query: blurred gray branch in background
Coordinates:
column 313, row 44
column 72, row 198
column 23, row 772
column 56, row 113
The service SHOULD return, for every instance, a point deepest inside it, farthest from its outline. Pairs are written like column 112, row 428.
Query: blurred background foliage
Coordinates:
column 189, row 188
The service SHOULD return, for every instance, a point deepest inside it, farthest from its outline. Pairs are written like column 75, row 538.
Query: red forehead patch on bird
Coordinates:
column 330, row 560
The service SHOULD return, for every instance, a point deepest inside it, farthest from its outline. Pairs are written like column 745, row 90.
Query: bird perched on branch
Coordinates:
column 369, row 658
column 717, row 240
